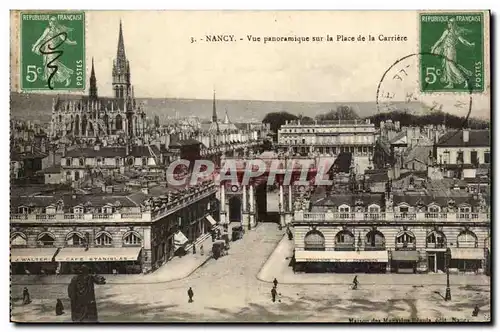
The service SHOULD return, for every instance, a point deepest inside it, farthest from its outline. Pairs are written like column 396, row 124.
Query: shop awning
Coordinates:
column 404, row 255
column 341, row 256
column 467, row 253
column 211, row 220
column 29, row 255
column 179, row 240
column 98, row 254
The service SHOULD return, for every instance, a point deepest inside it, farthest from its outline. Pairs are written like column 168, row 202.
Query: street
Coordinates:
column 227, row 290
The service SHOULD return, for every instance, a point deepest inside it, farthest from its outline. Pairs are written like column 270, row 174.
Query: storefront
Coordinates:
column 467, row 259
column 404, row 261
column 125, row 260
column 341, row 261
column 33, row 260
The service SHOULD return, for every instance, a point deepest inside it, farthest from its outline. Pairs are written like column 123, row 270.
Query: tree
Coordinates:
column 157, row 121
column 277, row 119
column 342, row 112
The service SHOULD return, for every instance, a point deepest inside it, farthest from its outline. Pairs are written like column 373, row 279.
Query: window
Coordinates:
column 117, row 161
column 99, row 161
column 403, row 209
column 75, row 239
column 144, row 161
column 45, row 239
column 68, row 161
column 132, row 239
column 314, row 240
column 436, row 239
column 375, row 239
column 103, row 239
column 446, row 157
column 22, row 210
column 460, row 157
column 18, row 239
column 467, row 239
column 81, row 161
column 344, row 237
column 433, row 208
column 473, row 158
column 487, row 157
column 78, row 210
column 405, row 238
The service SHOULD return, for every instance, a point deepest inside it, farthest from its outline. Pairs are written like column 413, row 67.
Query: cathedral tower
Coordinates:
column 121, row 70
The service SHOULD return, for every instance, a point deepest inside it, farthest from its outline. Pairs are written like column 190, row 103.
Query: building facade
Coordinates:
column 123, row 232
column 403, row 231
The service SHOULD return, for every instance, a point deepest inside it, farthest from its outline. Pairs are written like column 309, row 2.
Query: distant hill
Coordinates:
column 38, row 107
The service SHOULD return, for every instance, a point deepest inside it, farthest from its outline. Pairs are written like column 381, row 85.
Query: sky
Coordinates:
column 165, row 64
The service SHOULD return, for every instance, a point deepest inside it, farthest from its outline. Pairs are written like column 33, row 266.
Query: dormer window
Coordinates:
column 22, row 210
column 51, row 209
column 78, row 209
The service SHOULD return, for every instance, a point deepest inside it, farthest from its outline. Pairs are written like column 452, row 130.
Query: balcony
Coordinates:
column 61, row 217
column 423, row 217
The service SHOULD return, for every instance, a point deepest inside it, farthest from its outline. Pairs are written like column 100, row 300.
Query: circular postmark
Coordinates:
column 402, row 84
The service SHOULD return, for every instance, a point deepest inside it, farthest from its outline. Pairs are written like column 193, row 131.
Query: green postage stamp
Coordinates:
column 452, row 52
column 52, row 51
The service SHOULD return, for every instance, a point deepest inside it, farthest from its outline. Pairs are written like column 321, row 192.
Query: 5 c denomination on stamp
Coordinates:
column 52, row 51
column 458, row 40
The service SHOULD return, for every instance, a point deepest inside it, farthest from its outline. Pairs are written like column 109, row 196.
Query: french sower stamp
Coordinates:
column 457, row 40
column 52, row 51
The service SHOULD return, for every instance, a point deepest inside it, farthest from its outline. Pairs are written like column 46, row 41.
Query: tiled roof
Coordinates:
column 102, row 152
column 347, row 198
column 456, row 138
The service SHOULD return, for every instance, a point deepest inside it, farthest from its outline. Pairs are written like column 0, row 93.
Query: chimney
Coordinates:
column 465, row 134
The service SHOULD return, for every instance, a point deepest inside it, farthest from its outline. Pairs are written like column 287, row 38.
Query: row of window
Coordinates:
column 402, row 207
column 445, row 158
column 100, row 161
column 51, row 209
column 76, row 239
column 315, row 240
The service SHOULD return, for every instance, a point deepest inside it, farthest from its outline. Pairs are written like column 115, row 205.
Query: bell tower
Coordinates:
column 93, row 83
column 121, row 70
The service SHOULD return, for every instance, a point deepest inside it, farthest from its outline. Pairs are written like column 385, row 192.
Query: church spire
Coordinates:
column 214, row 110
column 93, row 83
column 121, row 59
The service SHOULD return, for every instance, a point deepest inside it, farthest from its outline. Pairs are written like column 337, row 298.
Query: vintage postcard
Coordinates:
column 250, row 166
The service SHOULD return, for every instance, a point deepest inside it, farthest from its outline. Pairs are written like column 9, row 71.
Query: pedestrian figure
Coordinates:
column 190, row 294
column 82, row 296
column 194, row 249
column 26, row 296
column 355, row 283
column 476, row 311
column 59, row 308
column 273, row 294
column 275, row 282
column 202, row 252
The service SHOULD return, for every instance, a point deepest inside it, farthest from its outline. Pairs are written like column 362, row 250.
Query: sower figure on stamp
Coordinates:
column 82, row 296
column 453, row 73
column 51, row 39
column 190, row 295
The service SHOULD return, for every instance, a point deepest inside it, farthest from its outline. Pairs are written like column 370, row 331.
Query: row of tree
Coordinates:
column 277, row 119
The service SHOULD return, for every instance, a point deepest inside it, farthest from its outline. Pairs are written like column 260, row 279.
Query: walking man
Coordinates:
column 275, row 282
column 355, row 283
column 190, row 294
column 476, row 311
column 273, row 294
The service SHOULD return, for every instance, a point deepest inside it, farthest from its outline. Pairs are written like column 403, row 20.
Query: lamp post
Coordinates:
column 447, row 297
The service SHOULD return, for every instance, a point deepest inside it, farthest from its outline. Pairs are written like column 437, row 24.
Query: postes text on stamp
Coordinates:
column 457, row 40
column 52, row 51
